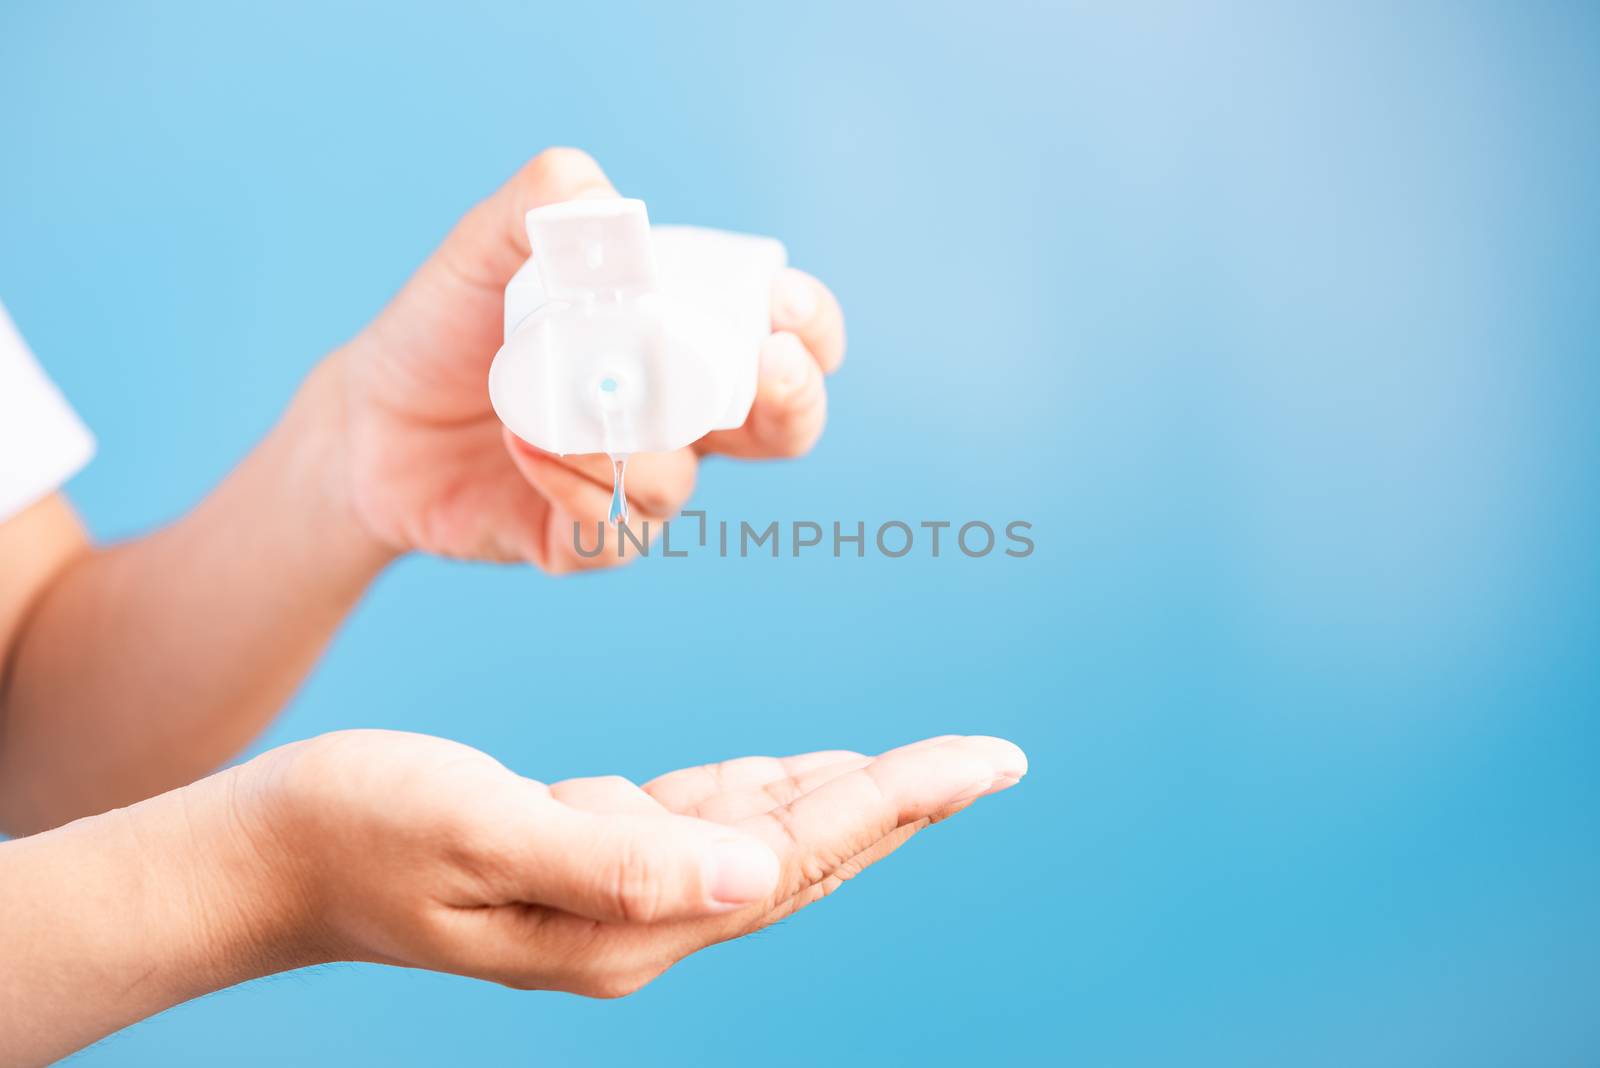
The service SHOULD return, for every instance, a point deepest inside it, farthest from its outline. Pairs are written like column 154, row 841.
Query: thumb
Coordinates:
column 491, row 241
column 639, row 867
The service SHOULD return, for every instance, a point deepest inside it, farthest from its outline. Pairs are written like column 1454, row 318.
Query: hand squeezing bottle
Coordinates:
column 622, row 338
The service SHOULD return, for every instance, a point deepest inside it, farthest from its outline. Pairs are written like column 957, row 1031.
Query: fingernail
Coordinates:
column 794, row 299
column 984, row 788
column 739, row 871
column 789, row 362
column 973, row 792
column 1001, row 782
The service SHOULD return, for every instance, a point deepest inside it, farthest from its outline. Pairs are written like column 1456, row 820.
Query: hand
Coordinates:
column 430, row 467
column 405, row 849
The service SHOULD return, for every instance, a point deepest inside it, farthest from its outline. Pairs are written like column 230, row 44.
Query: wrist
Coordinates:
column 115, row 917
column 296, row 833
column 238, row 896
column 312, row 442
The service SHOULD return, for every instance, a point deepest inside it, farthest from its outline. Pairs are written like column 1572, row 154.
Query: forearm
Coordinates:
column 144, row 666
column 119, row 916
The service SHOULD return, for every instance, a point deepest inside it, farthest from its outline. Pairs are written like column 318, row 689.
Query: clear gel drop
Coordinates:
column 611, row 414
column 619, row 493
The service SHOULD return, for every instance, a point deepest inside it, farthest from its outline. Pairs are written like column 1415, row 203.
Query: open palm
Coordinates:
column 428, row 853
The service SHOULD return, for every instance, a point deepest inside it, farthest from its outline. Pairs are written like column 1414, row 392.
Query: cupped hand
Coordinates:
column 405, row 849
column 429, row 466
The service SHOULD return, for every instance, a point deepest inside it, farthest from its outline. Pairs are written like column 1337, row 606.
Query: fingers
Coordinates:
column 871, row 855
column 846, row 871
column 740, row 801
column 613, row 874
column 790, row 409
column 791, row 406
column 658, row 484
column 630, row 864
column 684, row 791
column 491, row 241
column 736, row 805
column 820, row 831
column 605, row 794
column 806, row 308
column 577, row 490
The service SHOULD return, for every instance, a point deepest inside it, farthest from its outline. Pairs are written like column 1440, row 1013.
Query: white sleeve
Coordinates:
column 42, row 441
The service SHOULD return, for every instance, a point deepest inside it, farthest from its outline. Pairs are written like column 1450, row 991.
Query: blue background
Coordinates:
column 1279, row 324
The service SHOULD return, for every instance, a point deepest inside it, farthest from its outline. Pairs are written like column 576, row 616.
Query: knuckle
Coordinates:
column 812, row 863
column 801, row 437
column 665, row 488
column 560, row 171
column 662, row 503
column 553, row 159
column 790, row 427
column 782, row 792
column 809, row 440
column 634, row 885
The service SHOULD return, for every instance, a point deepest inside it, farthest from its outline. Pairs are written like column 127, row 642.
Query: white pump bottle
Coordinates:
column 623, row 338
